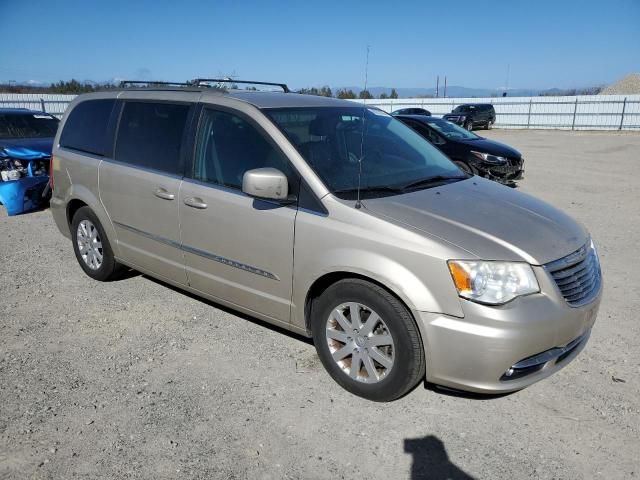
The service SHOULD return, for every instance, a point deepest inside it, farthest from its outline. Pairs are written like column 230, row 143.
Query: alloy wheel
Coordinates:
column 89, row 244
column 360, row 342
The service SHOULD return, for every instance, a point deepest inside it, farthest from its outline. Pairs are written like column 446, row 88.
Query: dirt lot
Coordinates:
column 133, row 379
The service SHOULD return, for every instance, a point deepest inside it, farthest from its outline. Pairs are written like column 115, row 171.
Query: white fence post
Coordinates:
column 575, row 109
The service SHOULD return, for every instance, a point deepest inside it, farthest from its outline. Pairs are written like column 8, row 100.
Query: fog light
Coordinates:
column 509, row 372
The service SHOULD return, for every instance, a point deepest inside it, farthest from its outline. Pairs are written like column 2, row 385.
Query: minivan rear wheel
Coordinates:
column 367, row 340
column 91, row 246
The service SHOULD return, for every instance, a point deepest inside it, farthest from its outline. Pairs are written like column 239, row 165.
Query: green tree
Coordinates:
column 344, row 93
column 309, row 91
column 383, row 96
column 326, row 91
column 365, row 94
column 393, row 93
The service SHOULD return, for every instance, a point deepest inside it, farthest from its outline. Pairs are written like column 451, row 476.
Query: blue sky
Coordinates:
column 545, row 43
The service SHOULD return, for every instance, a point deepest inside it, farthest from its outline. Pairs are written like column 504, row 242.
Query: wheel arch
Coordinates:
column 73, row 206
column 325, row 281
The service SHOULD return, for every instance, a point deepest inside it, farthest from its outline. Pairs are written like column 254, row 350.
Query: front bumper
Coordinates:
column 477, row 352
column 22, row 195
column 508, row 173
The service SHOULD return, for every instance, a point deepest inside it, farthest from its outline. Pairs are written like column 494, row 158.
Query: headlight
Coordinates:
column 487, row 157
column 462, row 117
column 491, row 282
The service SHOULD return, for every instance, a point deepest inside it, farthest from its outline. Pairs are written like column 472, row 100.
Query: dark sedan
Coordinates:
column 472, row 153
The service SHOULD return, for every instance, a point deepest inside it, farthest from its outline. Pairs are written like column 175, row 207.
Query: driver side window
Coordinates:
column 227, row 146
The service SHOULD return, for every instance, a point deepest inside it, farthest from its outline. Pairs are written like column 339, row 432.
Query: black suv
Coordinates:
column 470, row 115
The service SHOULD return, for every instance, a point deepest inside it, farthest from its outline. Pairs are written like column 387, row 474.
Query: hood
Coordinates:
column 41, row 145
column 489, row 146
column 455, row 114
column 491, row 221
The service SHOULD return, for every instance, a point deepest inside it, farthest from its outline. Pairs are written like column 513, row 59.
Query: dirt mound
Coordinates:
column 628, row 85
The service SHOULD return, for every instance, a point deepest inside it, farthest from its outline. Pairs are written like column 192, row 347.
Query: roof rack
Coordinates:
column 153, row 83
column 198, row 81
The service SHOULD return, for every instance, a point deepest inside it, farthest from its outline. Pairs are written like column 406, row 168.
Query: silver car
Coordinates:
column 333, row 220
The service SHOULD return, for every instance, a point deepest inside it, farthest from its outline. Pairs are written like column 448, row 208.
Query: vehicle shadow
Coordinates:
column 230, row 311
column 430, row 460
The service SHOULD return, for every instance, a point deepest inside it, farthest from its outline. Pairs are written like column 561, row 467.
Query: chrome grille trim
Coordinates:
column 577, row 275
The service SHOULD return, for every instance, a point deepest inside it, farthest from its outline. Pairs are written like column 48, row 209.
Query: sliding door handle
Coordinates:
column 195, row 202
column 162, row 193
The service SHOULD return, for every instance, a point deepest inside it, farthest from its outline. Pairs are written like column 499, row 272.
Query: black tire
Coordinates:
column 468, row 125
column 108, row 268
column 489, row 125
column 408, row 366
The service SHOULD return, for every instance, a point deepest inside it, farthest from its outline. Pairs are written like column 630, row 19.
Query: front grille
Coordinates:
column 577, row 275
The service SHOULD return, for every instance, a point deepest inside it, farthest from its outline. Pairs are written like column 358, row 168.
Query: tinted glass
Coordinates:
column 27, row 125
column 451, row 130
column 335, row 141
column 425, row 131
column 86, row 127
column 228, row 146
column 464, row 108
column 150, row 135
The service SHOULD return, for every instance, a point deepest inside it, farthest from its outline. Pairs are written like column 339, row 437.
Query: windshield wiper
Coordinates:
column 432, row 181
column 380, row 188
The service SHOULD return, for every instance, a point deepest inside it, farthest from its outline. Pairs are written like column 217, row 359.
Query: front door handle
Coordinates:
column 162, row 193
column 195, row 202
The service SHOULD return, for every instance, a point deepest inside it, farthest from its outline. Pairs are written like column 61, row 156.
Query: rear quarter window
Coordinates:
column 150, row 135
column 86, row 128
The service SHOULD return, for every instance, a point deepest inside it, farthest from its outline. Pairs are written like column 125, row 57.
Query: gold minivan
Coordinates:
column 331, row 219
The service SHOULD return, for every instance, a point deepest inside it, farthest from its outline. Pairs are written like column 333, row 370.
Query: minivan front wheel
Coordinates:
column 367, row 340
column 91, row 246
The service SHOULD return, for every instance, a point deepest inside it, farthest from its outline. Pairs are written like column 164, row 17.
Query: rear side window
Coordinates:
column 150, row 135
column 86, row 128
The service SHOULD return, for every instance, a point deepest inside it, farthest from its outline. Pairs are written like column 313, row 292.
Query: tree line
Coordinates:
column 74, row 86
column 345, row 93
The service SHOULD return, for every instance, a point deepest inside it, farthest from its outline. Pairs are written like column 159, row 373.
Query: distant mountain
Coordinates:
column 452, row 91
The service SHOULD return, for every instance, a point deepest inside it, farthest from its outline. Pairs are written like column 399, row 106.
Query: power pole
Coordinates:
column 437, row 85
column 445, row 87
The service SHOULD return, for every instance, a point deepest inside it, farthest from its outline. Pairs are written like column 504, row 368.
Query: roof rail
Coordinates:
column 152, row 83
column 198, row 81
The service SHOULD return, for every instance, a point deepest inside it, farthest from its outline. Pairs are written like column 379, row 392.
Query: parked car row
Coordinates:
column 467, row 115
column 333, row 220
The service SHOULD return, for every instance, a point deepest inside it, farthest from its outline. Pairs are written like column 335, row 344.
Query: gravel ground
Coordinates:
column 133, row 379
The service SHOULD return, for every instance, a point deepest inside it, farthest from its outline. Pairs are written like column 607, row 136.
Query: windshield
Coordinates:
column 331, row 141
column 452, row 131
column 463, row 109
column 27, row 125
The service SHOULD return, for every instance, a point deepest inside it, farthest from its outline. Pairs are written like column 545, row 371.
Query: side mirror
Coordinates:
column 268, row 183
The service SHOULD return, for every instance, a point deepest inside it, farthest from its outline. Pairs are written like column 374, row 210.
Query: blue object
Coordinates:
column 25, row 193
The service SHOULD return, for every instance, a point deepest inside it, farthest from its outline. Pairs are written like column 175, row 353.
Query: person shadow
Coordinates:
column 430, row 460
